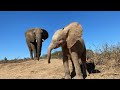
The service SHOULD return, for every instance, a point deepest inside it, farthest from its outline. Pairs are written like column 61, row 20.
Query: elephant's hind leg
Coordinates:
column 84, row 66
column 73, row 69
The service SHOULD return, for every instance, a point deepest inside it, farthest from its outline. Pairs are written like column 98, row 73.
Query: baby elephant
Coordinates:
column 34, row 39
column 73, row 47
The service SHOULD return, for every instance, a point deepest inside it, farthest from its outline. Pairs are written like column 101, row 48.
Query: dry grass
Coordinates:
column 107, row 60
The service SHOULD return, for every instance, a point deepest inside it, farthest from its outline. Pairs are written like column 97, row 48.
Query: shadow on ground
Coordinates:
column 90, row 68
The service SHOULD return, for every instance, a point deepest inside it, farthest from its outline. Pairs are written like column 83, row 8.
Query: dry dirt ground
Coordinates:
column 31, row 69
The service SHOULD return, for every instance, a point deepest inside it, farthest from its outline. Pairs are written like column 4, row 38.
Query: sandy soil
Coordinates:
column 31, row 69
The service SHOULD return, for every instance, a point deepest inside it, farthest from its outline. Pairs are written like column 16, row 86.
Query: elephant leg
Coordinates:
column 30, row 49
column 34, row 49
column 75, row 59
column 31, row 53
column 39, row 53
column 66, row 68
column 73, row 69
column 66, row 64
column 84, row 67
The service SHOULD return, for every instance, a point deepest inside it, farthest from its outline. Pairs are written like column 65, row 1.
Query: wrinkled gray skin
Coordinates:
column 73, row 47
column 34, row 38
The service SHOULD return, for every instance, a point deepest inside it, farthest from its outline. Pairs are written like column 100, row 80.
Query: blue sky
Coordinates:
column 99, row 27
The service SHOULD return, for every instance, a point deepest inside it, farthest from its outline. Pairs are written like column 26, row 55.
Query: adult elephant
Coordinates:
column 34, row 39
column 73, row 47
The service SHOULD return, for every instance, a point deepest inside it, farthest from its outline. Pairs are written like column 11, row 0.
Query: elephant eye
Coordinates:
column 59, row 39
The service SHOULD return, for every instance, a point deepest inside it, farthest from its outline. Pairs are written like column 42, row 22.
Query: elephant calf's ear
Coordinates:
column 74, row 35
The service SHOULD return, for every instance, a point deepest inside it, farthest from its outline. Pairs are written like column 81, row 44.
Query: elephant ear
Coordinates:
column 44, row 34
column 74, row 34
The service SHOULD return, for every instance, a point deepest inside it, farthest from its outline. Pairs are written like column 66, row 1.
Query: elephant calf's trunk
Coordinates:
column 49, row 52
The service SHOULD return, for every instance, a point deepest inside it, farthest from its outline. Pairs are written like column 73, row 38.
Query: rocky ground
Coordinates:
column 31, row 69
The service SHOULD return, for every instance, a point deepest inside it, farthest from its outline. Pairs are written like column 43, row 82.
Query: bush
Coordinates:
column 108, row 53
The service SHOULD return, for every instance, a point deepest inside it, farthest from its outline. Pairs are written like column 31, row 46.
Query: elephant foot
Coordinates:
column 73, row 74
column 31, row 58
column 78, row 77
column 36, row 58
column 84, row 76
column 67, row 77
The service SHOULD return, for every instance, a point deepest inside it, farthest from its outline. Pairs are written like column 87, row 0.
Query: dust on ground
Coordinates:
column 33, row 69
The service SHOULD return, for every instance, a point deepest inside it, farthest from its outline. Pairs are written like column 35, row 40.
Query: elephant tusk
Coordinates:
column 43, row 40
column 36, row 40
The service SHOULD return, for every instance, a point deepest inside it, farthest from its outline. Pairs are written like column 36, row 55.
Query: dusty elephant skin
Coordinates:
column 73, row 48
column 34, row 39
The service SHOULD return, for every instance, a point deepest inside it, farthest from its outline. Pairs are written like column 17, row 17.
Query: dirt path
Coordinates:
column 42, row 70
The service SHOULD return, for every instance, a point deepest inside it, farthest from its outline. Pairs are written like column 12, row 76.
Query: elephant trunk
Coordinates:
column 50, row 48
column 39, row 46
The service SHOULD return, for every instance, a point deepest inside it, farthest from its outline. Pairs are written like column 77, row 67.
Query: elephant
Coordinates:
column 73, row 47
column 34, row 39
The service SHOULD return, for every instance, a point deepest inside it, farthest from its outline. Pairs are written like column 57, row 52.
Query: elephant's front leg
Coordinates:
column 35, row 51
column 66, row 68
column 66, row 64
column 75, row 59
column 30, row 49
column 33, row 46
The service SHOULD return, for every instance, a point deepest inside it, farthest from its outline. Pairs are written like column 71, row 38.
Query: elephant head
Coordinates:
column 66, row 36
column 34, row 38
column 41, row 35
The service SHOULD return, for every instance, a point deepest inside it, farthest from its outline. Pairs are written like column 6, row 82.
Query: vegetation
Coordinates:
column 59, row 55
column 108, row 53
column 16, row 60
column 54, row 55
column 101, row 56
